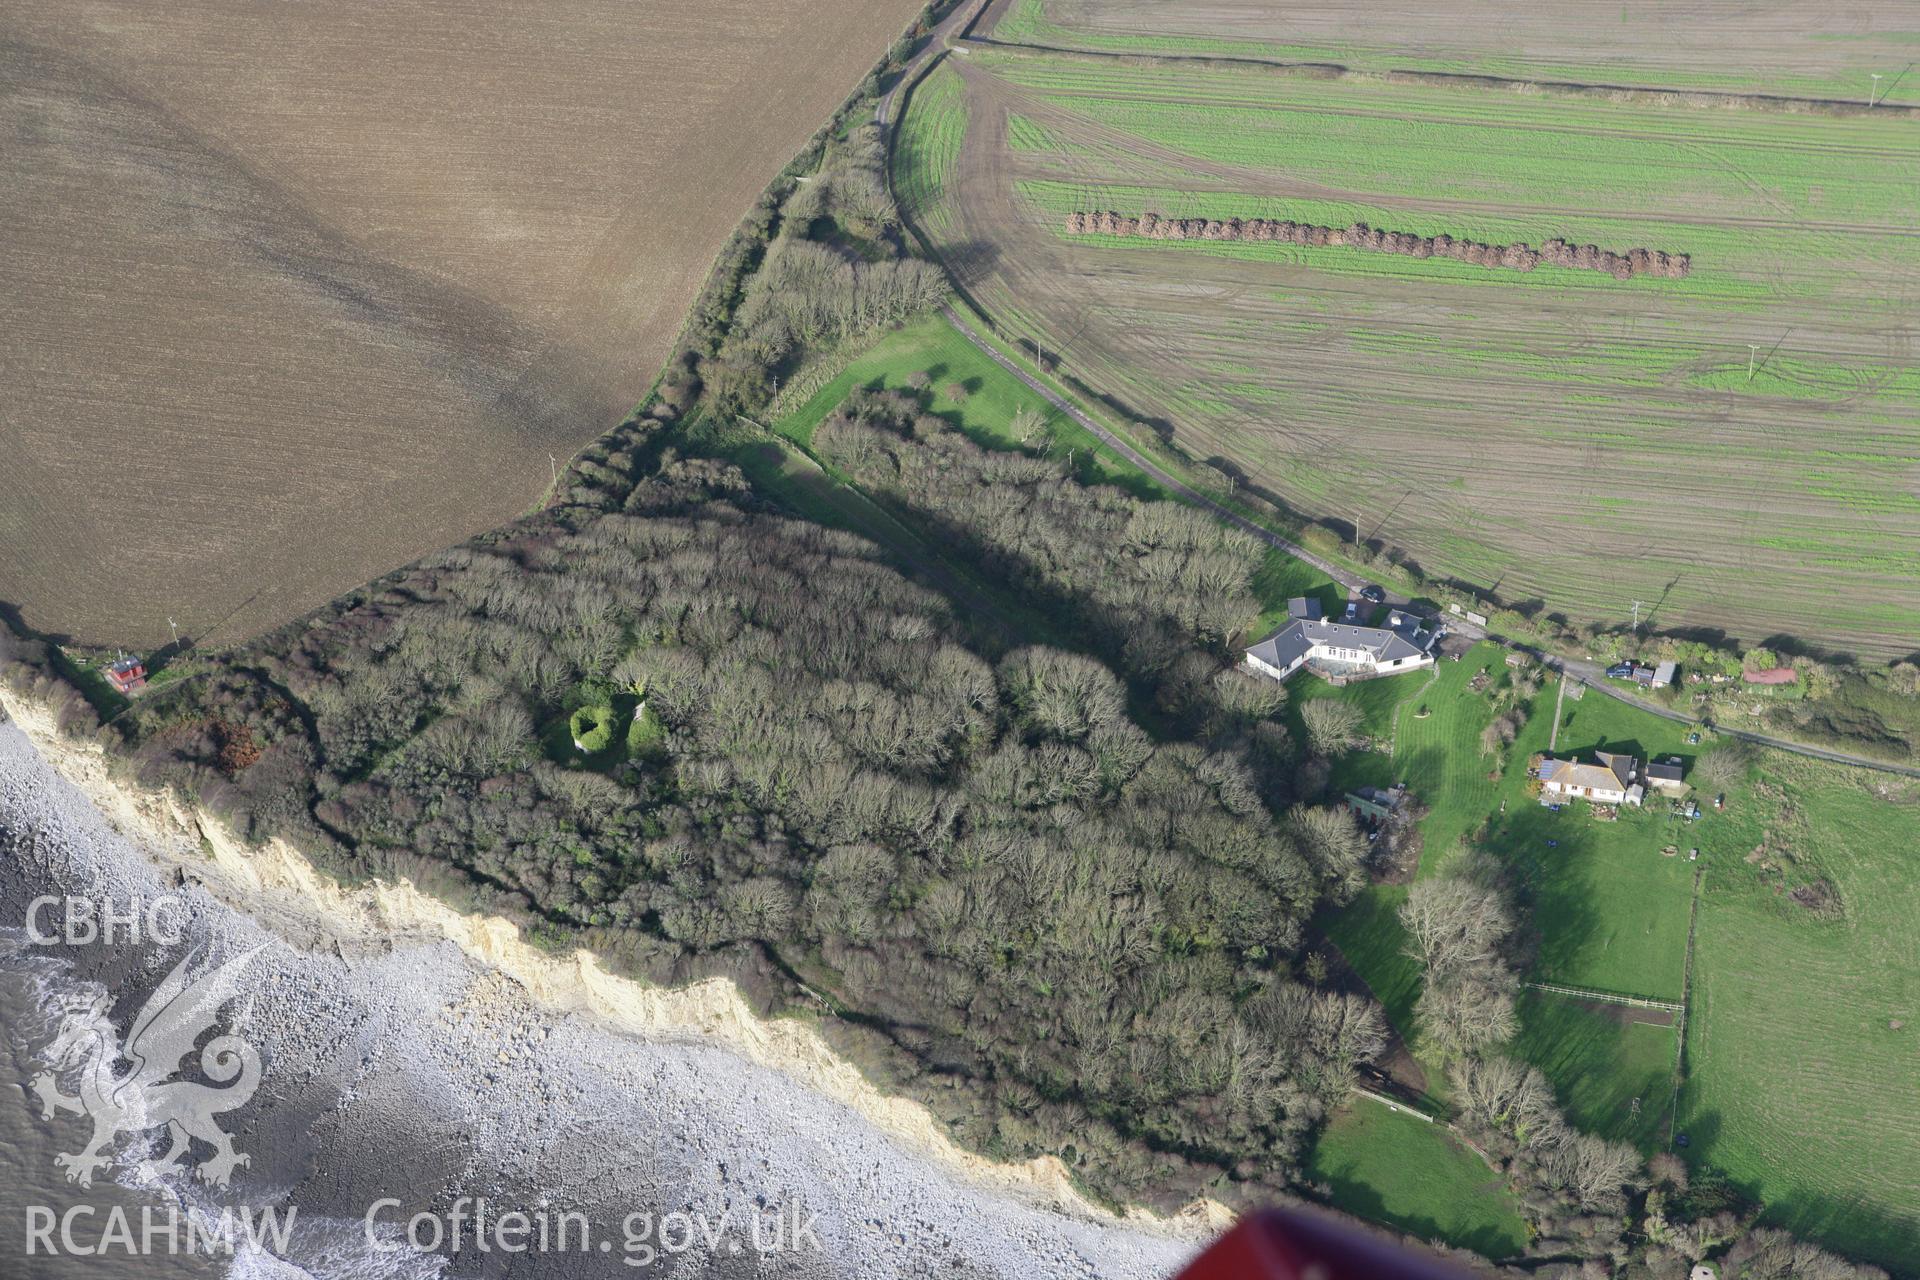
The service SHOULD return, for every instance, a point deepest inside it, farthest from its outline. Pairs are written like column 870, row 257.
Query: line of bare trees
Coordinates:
column 1460, row 927
column 1512, row 257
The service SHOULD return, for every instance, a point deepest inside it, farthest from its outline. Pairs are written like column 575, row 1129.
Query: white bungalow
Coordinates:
column 1343, row 648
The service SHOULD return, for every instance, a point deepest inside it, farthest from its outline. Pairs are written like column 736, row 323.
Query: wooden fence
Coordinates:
column 1607, row 997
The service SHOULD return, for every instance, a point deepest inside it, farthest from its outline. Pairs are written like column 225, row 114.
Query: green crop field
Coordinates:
column 1557, row 435
column 1698, row 48
column 929, row 144
column 1393, row 1168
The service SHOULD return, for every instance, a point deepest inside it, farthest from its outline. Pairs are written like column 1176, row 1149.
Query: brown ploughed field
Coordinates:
column 297, row 292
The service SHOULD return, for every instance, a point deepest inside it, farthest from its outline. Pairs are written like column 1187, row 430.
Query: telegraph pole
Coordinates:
column 1636, row 617
column 1873, row 93
column 176, row 633
column 1753, row 349
column 553, row 465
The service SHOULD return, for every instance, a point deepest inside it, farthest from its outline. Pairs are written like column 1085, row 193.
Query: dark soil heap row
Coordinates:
column 1513, row 257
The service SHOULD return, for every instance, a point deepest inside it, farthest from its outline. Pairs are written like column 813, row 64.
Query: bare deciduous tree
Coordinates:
column 1331, row 723
column 1334, row 844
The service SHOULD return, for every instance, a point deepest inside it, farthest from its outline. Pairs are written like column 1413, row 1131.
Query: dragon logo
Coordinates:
column 180, row 1011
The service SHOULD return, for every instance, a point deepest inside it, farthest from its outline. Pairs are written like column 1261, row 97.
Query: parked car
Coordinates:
column 1620, row 671
column 1373, row 594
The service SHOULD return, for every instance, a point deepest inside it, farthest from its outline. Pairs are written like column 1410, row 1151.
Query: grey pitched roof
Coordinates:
column 1286, row 645
column 1667, row 772
column 1621, row 766
column 1305, row 607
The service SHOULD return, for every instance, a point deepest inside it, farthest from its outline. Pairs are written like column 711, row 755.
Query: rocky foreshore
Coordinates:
column 415, row 1054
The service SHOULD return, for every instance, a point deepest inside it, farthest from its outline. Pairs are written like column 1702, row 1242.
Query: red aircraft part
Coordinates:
column 1280, row 1244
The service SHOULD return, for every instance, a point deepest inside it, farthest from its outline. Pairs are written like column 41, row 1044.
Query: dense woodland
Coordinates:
column 1159, row 589
column 1054, row 891
column 1069, row 935
column 827, row 267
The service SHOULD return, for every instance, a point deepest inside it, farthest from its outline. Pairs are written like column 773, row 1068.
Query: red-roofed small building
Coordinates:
column 129, row 675
column 1772, row 675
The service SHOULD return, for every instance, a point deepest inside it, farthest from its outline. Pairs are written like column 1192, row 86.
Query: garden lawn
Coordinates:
column 1609, row 909
column 1391, row 1168
column 1601, row 1059
column 1438, row 755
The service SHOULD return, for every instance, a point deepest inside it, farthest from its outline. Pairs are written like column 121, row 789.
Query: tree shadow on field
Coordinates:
column 1797, row 646
column 971, row 261
column 1860, row 1231
column 1701, row 1131
column 1712, row 637
column 1872, row 1233
column 16, row 622
column 1575, row 1043
column 1549, row 859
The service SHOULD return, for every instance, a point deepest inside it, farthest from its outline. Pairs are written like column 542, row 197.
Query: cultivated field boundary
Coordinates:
column 1638, row 95
column 1686, row 997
